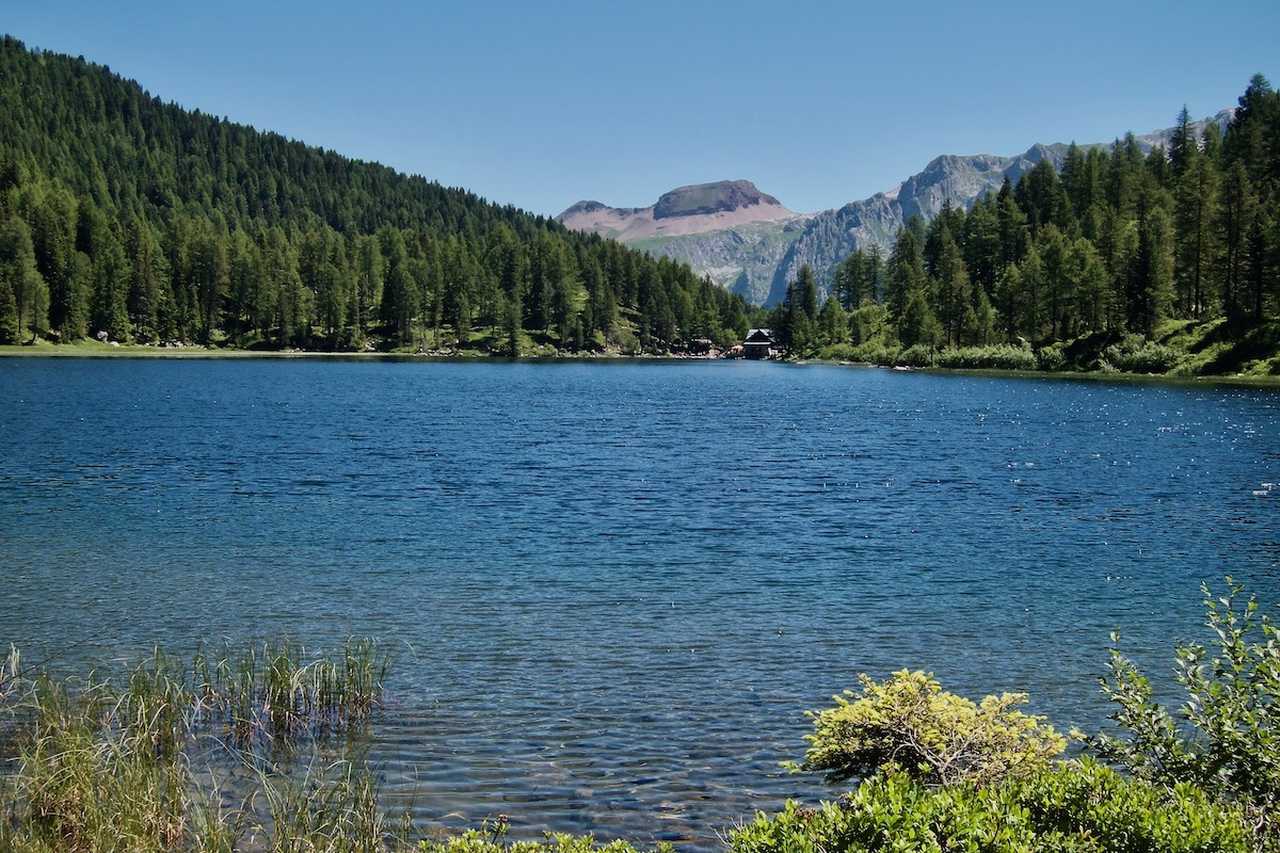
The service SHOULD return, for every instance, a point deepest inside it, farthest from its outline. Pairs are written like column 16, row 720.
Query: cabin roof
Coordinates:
column 759, row 336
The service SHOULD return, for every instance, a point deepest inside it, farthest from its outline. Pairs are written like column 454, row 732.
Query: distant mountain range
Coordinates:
column 748, row 242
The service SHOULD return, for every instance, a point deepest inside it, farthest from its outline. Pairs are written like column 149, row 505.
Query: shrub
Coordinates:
column 1051, row 358
column 875, row 353
column 1226, row 737
column 908, row 723
column 491, row 838
column 1136, row 355
column 1073, row 807
column 997, row 357
column 919, row 355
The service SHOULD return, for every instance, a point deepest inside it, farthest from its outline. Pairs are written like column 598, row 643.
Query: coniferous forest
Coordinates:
column 1135, row 261
column 127, row 218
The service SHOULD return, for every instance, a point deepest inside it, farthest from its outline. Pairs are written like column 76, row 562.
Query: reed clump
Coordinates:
column 273, row 691
column 106, row 765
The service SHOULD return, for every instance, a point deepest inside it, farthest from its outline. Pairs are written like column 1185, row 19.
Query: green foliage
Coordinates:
column 909, row 724
column 492, row 838
column 1226, row 736
column 1000, row 357
column 122, row 214
column 108, row 767
column 1077, row 807
column 1117, row 244
column 919, row 355
column 1137, row 355
column 1051, row 358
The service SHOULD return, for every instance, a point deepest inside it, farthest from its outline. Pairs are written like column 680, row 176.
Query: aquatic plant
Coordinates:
column 107, row 766
column 273, row 690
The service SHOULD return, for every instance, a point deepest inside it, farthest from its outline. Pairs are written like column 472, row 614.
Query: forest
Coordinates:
column 132, row 220
column 1135, row 261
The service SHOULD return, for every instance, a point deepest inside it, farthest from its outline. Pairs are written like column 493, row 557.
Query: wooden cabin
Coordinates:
column 759, row 343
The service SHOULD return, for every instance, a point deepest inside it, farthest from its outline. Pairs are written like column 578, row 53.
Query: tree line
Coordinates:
column 127, row 218
column 1118, row 242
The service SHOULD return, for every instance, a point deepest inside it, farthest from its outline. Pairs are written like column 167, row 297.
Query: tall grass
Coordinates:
column 106, row 765
column 273, row 690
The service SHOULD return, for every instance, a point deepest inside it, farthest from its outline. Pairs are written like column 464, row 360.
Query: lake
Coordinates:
column 611, row 589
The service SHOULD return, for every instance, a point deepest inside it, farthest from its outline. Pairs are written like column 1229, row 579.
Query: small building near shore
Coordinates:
column 759, row 343
column 700, row 346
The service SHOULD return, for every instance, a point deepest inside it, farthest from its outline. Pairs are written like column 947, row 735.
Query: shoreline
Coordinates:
column 88, row 350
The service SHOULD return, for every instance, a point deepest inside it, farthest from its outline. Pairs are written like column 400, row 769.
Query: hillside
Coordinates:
column 758, row 256
column 133, row 219
column 1148, row 256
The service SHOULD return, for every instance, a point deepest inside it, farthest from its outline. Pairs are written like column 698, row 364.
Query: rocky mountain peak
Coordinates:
column 717, row 197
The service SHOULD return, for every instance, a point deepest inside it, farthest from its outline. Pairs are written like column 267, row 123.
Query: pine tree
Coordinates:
column 919, row 326
column 952, row 298
column 399, row 294
column 1032, row 279
column 1235, row 221
column 1151, row 273
column 807, row 288
column 25, row 284
column 146, row 282
column 109, row 311
column 8, row 314
column 905, row 273
column 1183, row 145
column 1195, row 199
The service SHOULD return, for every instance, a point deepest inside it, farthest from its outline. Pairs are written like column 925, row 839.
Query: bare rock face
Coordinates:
column 703, row 199
column 695, row 209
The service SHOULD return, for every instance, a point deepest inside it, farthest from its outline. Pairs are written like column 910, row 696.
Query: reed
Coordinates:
column 336, row 809
column 273, row 691
column 102, row 766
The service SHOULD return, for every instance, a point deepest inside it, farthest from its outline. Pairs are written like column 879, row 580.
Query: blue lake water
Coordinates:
column 612, row 589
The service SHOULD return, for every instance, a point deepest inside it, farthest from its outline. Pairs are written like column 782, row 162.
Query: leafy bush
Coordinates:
column 1137, row 355
column 1226, row 737
column 1051, row 358
column 875, row 353
column 1074, row 807
column 491, row 838
column 919, row 355
column 998, row 357
column 909, row 724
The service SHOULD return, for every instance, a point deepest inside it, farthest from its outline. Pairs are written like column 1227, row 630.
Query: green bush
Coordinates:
column 1226, row 736
column 909, row 724
column 997, row 357
column 1051, row 358
column 491, row 838
column 919, row 355
column 1077, row 807
column 875, row 353
column 1135, row 354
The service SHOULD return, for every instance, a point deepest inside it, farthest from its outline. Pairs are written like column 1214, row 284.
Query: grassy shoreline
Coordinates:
column 93, row 349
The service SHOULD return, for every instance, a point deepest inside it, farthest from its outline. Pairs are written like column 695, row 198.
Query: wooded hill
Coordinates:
column 124, row 215
column 1144, row 262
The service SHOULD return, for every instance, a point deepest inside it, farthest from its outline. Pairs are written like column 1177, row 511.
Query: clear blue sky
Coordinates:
column 542, row 104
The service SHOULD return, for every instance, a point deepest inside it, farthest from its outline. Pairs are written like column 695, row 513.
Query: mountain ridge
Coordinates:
column 689, row 209
column 755, row 248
